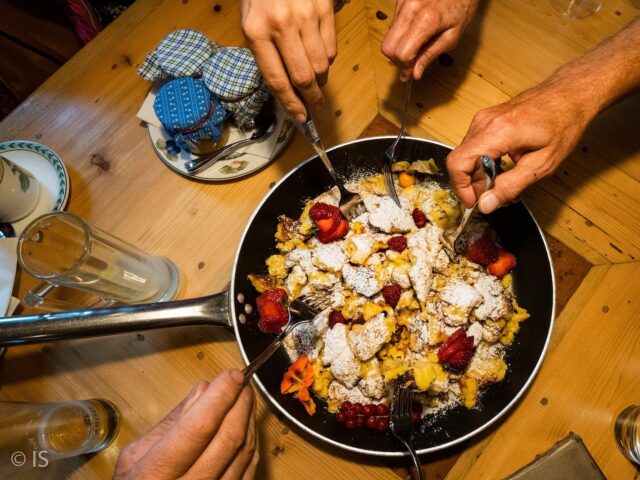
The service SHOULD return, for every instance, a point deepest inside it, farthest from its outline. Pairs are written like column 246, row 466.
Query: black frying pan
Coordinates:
column 516, row 229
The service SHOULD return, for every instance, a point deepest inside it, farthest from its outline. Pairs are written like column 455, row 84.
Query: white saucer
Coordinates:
column 237, row 164
column 47, row 168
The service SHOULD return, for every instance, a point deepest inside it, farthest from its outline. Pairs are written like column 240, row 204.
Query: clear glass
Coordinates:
column 34, row 434
column 627, row 432
column 62, row 249
column 577, row 8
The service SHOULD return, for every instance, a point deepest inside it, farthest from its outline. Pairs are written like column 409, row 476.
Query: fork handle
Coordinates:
column 257, row 362
column 416, row 460
column 199, row 164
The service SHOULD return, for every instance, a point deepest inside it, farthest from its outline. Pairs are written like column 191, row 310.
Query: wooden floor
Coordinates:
column 591, row 206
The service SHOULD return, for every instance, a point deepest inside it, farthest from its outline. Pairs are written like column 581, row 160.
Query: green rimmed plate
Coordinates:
column 47, row 168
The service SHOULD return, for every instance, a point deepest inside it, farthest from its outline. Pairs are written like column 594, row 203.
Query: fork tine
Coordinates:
column 388, row 177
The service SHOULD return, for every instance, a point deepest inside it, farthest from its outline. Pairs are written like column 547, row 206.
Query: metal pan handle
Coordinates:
column 210, row 310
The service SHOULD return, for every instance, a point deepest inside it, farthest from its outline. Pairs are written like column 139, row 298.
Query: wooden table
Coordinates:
column 86, row 113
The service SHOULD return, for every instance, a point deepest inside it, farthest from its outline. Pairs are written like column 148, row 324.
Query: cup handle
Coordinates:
column 38, row 297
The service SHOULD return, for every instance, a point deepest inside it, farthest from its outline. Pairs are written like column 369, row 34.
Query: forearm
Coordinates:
column 603, row 75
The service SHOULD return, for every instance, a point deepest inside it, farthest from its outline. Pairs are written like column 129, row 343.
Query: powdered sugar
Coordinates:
column 361, row 279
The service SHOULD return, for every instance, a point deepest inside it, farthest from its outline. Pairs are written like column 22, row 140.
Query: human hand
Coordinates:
column 538, row 129
column 210, row 434
column 423, row 29
column 294, row 42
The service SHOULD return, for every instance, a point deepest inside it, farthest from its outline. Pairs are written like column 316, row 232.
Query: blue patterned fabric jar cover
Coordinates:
column 230, row 73
column 182, row 53
column 188, row 111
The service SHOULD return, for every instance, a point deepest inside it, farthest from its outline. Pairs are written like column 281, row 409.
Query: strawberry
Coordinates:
column 273, row 313
column 456, row 351
column 336, row 317
column 332, row 225
column 419, row 218
column 398, row 243
column 391, row 294
column 483, row 251
column 504, row 264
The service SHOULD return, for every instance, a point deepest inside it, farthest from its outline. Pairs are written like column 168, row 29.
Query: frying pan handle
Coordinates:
column 213, row 309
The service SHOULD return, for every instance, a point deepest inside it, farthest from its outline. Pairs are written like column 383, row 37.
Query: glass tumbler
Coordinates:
column 577, row 8
column 63, row 250
column 34, row 434
column 627, row 432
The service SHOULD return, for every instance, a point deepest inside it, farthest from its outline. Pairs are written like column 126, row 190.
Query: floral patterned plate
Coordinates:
column 47, row 168
column 237, row 164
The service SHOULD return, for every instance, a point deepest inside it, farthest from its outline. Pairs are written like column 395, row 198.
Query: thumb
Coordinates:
column 509, row 186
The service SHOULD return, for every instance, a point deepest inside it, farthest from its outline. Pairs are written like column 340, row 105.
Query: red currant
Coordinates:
column 345, row 406
column 341, row 417
column 357, row 408
column 369, row 410
column 359, row 421
column 382, row 409
column 382, row 424
column 371, row 422
column 350, row 423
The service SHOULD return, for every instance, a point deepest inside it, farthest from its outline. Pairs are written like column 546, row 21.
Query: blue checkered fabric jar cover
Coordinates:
column 182, row 53
column 188, row 111
column 232, row 75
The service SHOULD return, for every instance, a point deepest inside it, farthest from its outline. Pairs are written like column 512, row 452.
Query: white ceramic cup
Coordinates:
column 19, row 191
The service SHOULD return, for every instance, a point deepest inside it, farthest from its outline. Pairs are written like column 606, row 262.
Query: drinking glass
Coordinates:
column 577, row 8
column 63, row 250
column 34, row 434
column 627, row 432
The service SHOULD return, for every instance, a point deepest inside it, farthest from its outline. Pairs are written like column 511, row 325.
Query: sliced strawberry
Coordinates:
column 419, row 218
column 273, row 313
column 332, row 225
column 483, row 251
column 326, row 224
column 504, row 264
column 456, row 351
column 336, row 317
column 391, row 294
column 398, row 243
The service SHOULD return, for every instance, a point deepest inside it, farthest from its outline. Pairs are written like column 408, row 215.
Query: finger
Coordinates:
column 276, row 78
column 227, row 445
column 419, row 33
column 435, row 47
column 299, row 67
column 242, row 462
column 144, row 443
column 189, row 436
column 328, row 31
column 314, row 46
column 252, row 470
column 461, row 164
column 398, row 30
column 509, row 185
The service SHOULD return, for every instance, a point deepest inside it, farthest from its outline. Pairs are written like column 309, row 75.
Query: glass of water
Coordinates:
column 34, row 434
column 627, row 432
column 63, row 250
column 577, row 8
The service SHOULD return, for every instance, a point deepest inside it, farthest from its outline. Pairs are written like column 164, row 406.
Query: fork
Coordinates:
column 391, row 152
column 301, row 311
column 401, row 424
column 351, row 204
column 485, row 170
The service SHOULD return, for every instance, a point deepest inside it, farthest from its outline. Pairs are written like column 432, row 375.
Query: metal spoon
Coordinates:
column 6, row 230
column 485, row 170
column 265, row 125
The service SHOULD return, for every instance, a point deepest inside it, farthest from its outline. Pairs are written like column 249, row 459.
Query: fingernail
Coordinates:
column 300, row 118
column 419, row 71
column 488, row 202
column 237, row 376
column 192, row 397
